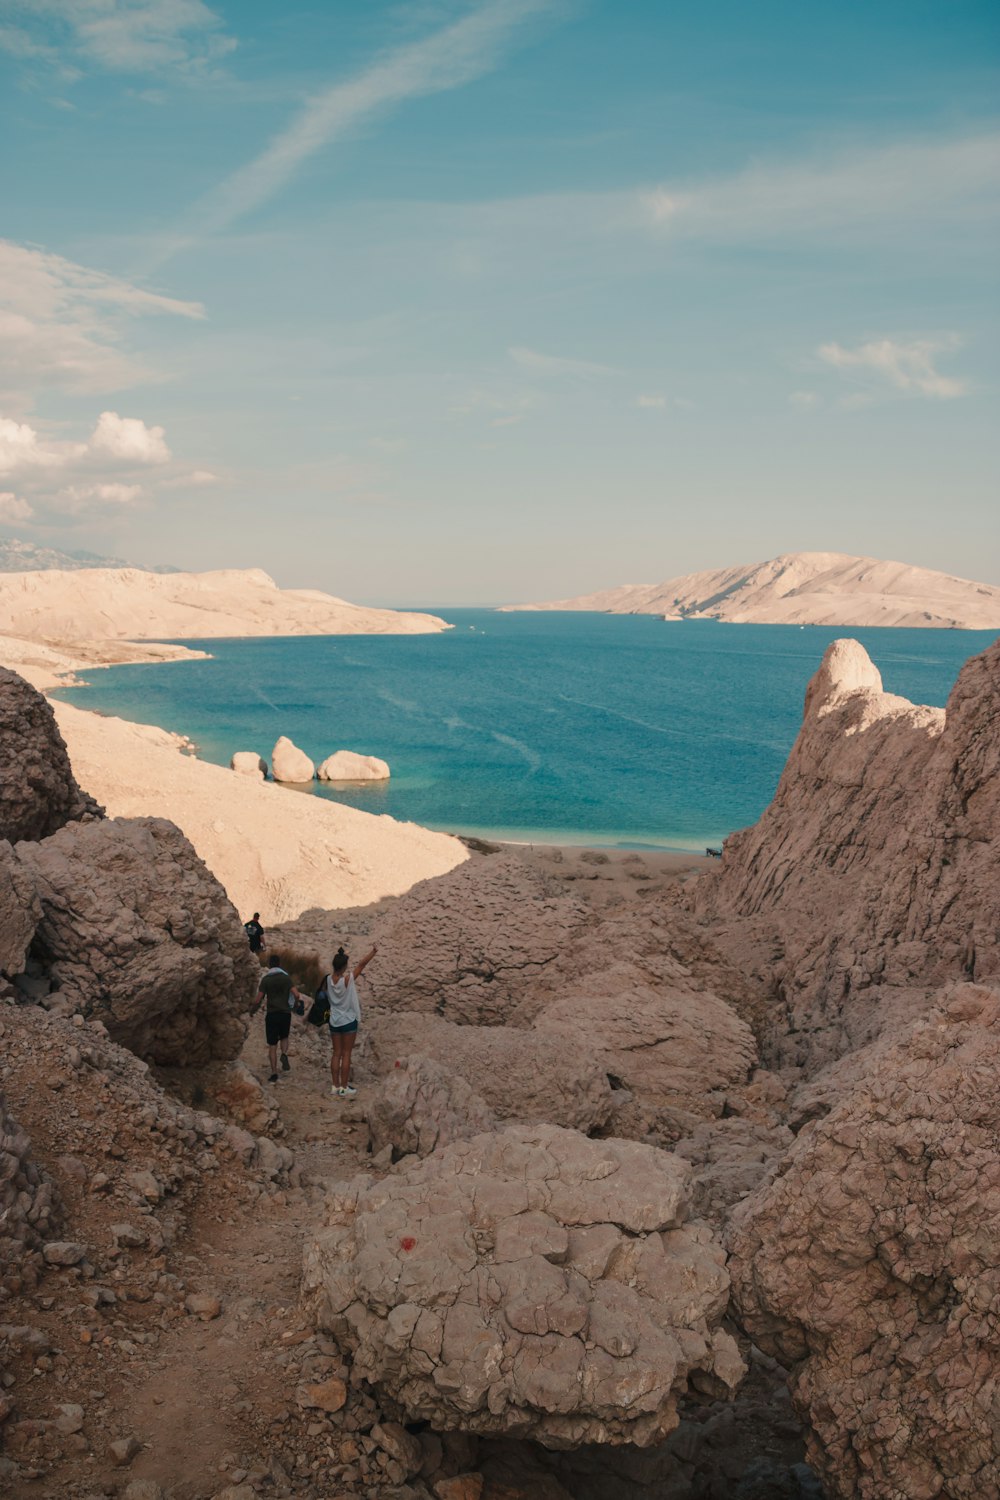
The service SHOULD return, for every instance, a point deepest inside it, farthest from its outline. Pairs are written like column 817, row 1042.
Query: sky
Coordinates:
column 465, row 303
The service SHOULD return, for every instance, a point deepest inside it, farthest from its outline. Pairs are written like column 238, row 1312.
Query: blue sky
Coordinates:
column 460, row 303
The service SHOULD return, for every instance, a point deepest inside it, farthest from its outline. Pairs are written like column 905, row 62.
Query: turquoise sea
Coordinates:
column 613, row 729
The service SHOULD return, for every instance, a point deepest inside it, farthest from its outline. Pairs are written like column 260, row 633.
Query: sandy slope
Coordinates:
column 806, row 588
column 276, row 851
column 125, row 604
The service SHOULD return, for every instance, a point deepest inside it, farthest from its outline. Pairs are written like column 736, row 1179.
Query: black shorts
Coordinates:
column 277, row 1025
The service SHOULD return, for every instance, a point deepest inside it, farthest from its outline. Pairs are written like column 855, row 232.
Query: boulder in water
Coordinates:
column 289, row 763
column 346, row 765
column 248, row 763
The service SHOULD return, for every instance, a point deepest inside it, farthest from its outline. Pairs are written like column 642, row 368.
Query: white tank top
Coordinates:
column 344, row 1004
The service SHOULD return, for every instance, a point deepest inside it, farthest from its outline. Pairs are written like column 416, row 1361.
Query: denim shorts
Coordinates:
column 343, row 1030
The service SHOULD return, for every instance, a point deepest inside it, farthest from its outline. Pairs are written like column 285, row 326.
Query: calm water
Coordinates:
column 568, row 727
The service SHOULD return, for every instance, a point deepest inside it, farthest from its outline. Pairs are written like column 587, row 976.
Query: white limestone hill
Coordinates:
column 61, row 608
column 806, row 588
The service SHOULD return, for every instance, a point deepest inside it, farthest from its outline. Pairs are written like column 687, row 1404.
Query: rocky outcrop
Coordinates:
column 520, row 1074
column 289, row 763
column 136, row 932
column 872, row 1264
column 248, row 763
column 346, row 765
column 20, row 911
column 661, row 1043
column 28, row 1209
column 531, row 1282
column 473, row 945
column 38, row 792
column 871, row 878
column 420, row 1106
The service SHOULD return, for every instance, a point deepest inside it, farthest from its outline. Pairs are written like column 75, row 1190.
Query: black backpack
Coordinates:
column 319, row 1011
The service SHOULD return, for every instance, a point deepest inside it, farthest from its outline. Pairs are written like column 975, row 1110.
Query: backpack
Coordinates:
column 319, row 1011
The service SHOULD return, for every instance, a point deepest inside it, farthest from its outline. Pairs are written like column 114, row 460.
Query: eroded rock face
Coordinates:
column 472, row 945
column 661, row 1043
column 20, row 911
column 530, row 1282
column 420, row 1106
column 521, row 1074
column 38, row 791
column 29, row 1210
column 872, row 1262
column 871, row 878
column 289, row 763
column 137, row 933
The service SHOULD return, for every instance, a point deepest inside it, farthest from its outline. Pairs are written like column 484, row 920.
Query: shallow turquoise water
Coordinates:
column 566, row 727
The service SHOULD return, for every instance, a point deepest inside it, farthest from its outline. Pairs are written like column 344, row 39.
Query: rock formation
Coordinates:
column 289, row 763
column 872, row 1264
column 529, row 1282
column 346, row 765
column 20, row 911
column 28, row 1209
column 520, row 1074
column 248, row 763
column 421, row 1106
column 137, row 933
column 886, row 818
column 38, row 792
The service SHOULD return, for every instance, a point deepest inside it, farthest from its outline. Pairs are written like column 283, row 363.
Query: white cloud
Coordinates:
column 76, row 498
column 13, row 509
column 61, row 324
column 129, row 439
column 553, row 364
column 20, row 448
column 454, row 55
column 909, row 366
column 196, row 479
column 128, row 36
column 652, row 403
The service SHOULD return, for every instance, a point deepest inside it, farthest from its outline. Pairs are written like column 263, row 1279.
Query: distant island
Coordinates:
column 805, row 588
column 17, row 556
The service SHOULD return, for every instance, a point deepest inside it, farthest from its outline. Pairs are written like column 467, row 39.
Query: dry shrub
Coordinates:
column 306, row 969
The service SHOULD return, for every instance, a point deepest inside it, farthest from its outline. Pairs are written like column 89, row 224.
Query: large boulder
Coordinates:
column 249, row 763
column 521, row 1074
column 531, row 1282
column 38, row 791
column 871, row 879
column 420, row 1106
column 20, row 911
column 136, row 932
column 29, row 1208
column 289, row 763
column 662, row 1043
column 347, row 765
column 871, row 1263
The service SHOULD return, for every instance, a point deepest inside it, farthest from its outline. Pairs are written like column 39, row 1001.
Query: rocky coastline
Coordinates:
column 660, row 1182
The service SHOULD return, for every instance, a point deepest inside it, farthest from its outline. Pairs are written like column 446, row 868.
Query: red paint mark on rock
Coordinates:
column 407, row 1242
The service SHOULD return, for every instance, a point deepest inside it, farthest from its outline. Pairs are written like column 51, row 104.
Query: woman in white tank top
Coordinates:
column 345, row 1015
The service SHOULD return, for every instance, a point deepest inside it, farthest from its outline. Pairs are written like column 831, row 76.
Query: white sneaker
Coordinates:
column 349, row 1092
column 336, row 1093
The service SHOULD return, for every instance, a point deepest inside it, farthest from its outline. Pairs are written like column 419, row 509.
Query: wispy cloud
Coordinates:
column 449, row 58
column 125, row 36
column 907, row 365
column 554, row 364
column 832, row 194
column 62, row 325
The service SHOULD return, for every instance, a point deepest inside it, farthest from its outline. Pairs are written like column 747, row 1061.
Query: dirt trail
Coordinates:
column 217, row 1387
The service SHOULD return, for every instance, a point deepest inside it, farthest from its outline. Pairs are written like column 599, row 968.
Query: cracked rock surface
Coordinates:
column 137, row 933
column 420, row 1106
column 38, row 791
column 872, row 1263
column 530, row 1282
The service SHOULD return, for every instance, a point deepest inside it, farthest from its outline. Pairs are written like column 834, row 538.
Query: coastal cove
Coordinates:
column 554, row 727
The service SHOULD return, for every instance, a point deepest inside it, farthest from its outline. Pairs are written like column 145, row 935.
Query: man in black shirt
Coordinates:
column 254, row 932
column 277, row 990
